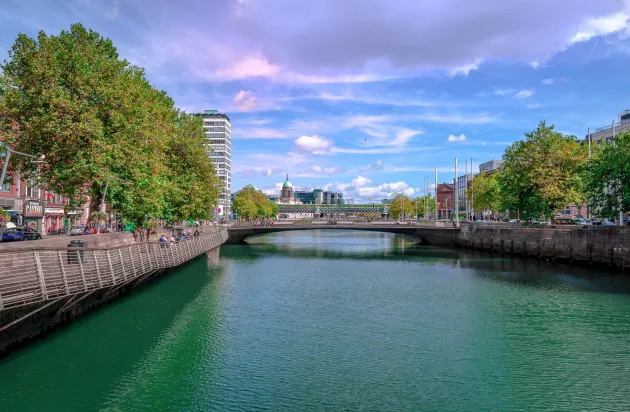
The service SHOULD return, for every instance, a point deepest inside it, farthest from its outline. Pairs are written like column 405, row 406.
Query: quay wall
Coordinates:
column 607, row 245
column 42, row 288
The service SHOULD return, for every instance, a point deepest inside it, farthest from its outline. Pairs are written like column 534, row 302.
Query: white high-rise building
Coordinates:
column 218, row 131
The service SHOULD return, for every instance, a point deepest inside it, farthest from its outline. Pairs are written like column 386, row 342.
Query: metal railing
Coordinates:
column 39, row 274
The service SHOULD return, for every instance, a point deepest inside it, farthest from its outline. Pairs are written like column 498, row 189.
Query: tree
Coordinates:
column 395, row 210
column 94, row 117
column 192, row 185
column 485, row 193
column 251, row 203
column 607, row 177
column 420, row 202
column 542, row 174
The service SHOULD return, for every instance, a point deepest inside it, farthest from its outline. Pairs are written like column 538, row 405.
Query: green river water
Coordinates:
column 340, row 321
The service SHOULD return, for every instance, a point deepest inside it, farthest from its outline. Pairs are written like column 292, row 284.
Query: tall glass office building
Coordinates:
column 218, row 131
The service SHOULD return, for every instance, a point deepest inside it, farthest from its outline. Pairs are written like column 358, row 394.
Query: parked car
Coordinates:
column 76, row 230
column 30, row 234
column 565, row 221
column 580, row 221
column 603, row 222
column 12, row 234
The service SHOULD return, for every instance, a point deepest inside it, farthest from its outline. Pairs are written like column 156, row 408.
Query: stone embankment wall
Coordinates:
column 42, row 287
column 609, row 245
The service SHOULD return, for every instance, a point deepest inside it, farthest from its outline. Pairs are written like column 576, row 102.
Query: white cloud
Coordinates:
column 360, row 182
column 245, row 101
column 403, row 136
column 359, row 189
column 314, row 144
column 465, row 69
column 383, row 133
column 319, row 79
column 258, row 164
column 503, row 92
column 536, row 65
column 333, row 170
column 245, row 67
column 460, row 138
column 255, row 122
column 377, row 150
column 459, row 119
column 316, row 168
column 378, row 165
column 547, row 82
column 533, row 106
column 259, row 133
column 399, row 101
column 601, row 26
column 523, row 94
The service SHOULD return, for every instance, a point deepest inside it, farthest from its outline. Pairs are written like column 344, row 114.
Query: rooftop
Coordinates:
column 215, row 113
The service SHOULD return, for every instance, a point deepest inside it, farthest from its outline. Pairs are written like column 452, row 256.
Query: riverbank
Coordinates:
column 585, row 245
column 41, row 288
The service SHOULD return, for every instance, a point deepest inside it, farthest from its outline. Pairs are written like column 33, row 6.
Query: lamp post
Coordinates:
column 7, row 156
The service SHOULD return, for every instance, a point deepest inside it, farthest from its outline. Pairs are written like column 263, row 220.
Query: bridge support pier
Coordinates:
column 213, row 255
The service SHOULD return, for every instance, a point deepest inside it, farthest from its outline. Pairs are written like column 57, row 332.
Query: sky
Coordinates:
column 365, row 97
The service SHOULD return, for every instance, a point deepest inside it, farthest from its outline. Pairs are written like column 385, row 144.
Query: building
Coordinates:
column 33, row 206
column 219, row 134
column 491, row 166
column 606, row 133
column 319, row 197
column 445, row 200
column 287, row 194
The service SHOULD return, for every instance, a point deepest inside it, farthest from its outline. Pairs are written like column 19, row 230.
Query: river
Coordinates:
column 341, row 321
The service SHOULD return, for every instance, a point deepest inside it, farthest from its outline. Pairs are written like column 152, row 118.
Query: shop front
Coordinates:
column 34, row 214
column 54, row 219
column 73, row 218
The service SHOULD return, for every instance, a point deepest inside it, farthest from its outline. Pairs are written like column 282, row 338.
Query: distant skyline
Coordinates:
column 365, row 97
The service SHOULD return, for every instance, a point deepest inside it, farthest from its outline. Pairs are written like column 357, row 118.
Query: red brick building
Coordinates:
column 445, row 200
column 33, row 206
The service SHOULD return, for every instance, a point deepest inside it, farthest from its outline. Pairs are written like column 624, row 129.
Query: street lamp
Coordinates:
column 7, row 156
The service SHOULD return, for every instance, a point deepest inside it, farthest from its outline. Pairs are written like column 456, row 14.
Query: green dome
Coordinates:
column 287, row 183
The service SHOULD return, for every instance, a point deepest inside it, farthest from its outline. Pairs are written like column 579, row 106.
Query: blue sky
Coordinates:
column 365, row 97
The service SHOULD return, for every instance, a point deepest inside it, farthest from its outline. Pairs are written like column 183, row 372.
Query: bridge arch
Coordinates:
column 435, row 236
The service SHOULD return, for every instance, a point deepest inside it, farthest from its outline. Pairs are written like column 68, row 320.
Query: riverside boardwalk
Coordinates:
column 40, row 281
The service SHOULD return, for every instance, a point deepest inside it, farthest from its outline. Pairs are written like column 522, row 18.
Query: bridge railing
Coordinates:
column 36, row 275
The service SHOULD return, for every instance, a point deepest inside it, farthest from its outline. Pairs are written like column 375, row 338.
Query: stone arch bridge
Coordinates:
column 429, row 235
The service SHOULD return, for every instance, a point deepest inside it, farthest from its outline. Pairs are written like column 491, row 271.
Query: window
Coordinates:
column 32, row 191
column 6, row 187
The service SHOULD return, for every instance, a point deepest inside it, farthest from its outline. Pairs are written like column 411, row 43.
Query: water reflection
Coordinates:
column 351, row 245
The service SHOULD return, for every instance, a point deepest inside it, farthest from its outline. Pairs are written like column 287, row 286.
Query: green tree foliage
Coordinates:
column 97, row 120
column 542, row 174
column 608, row 177
column 420, row 202
column 192, row 185
column 396, row 206
column 4, row 216
column 485, row 193
column 251, row 203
